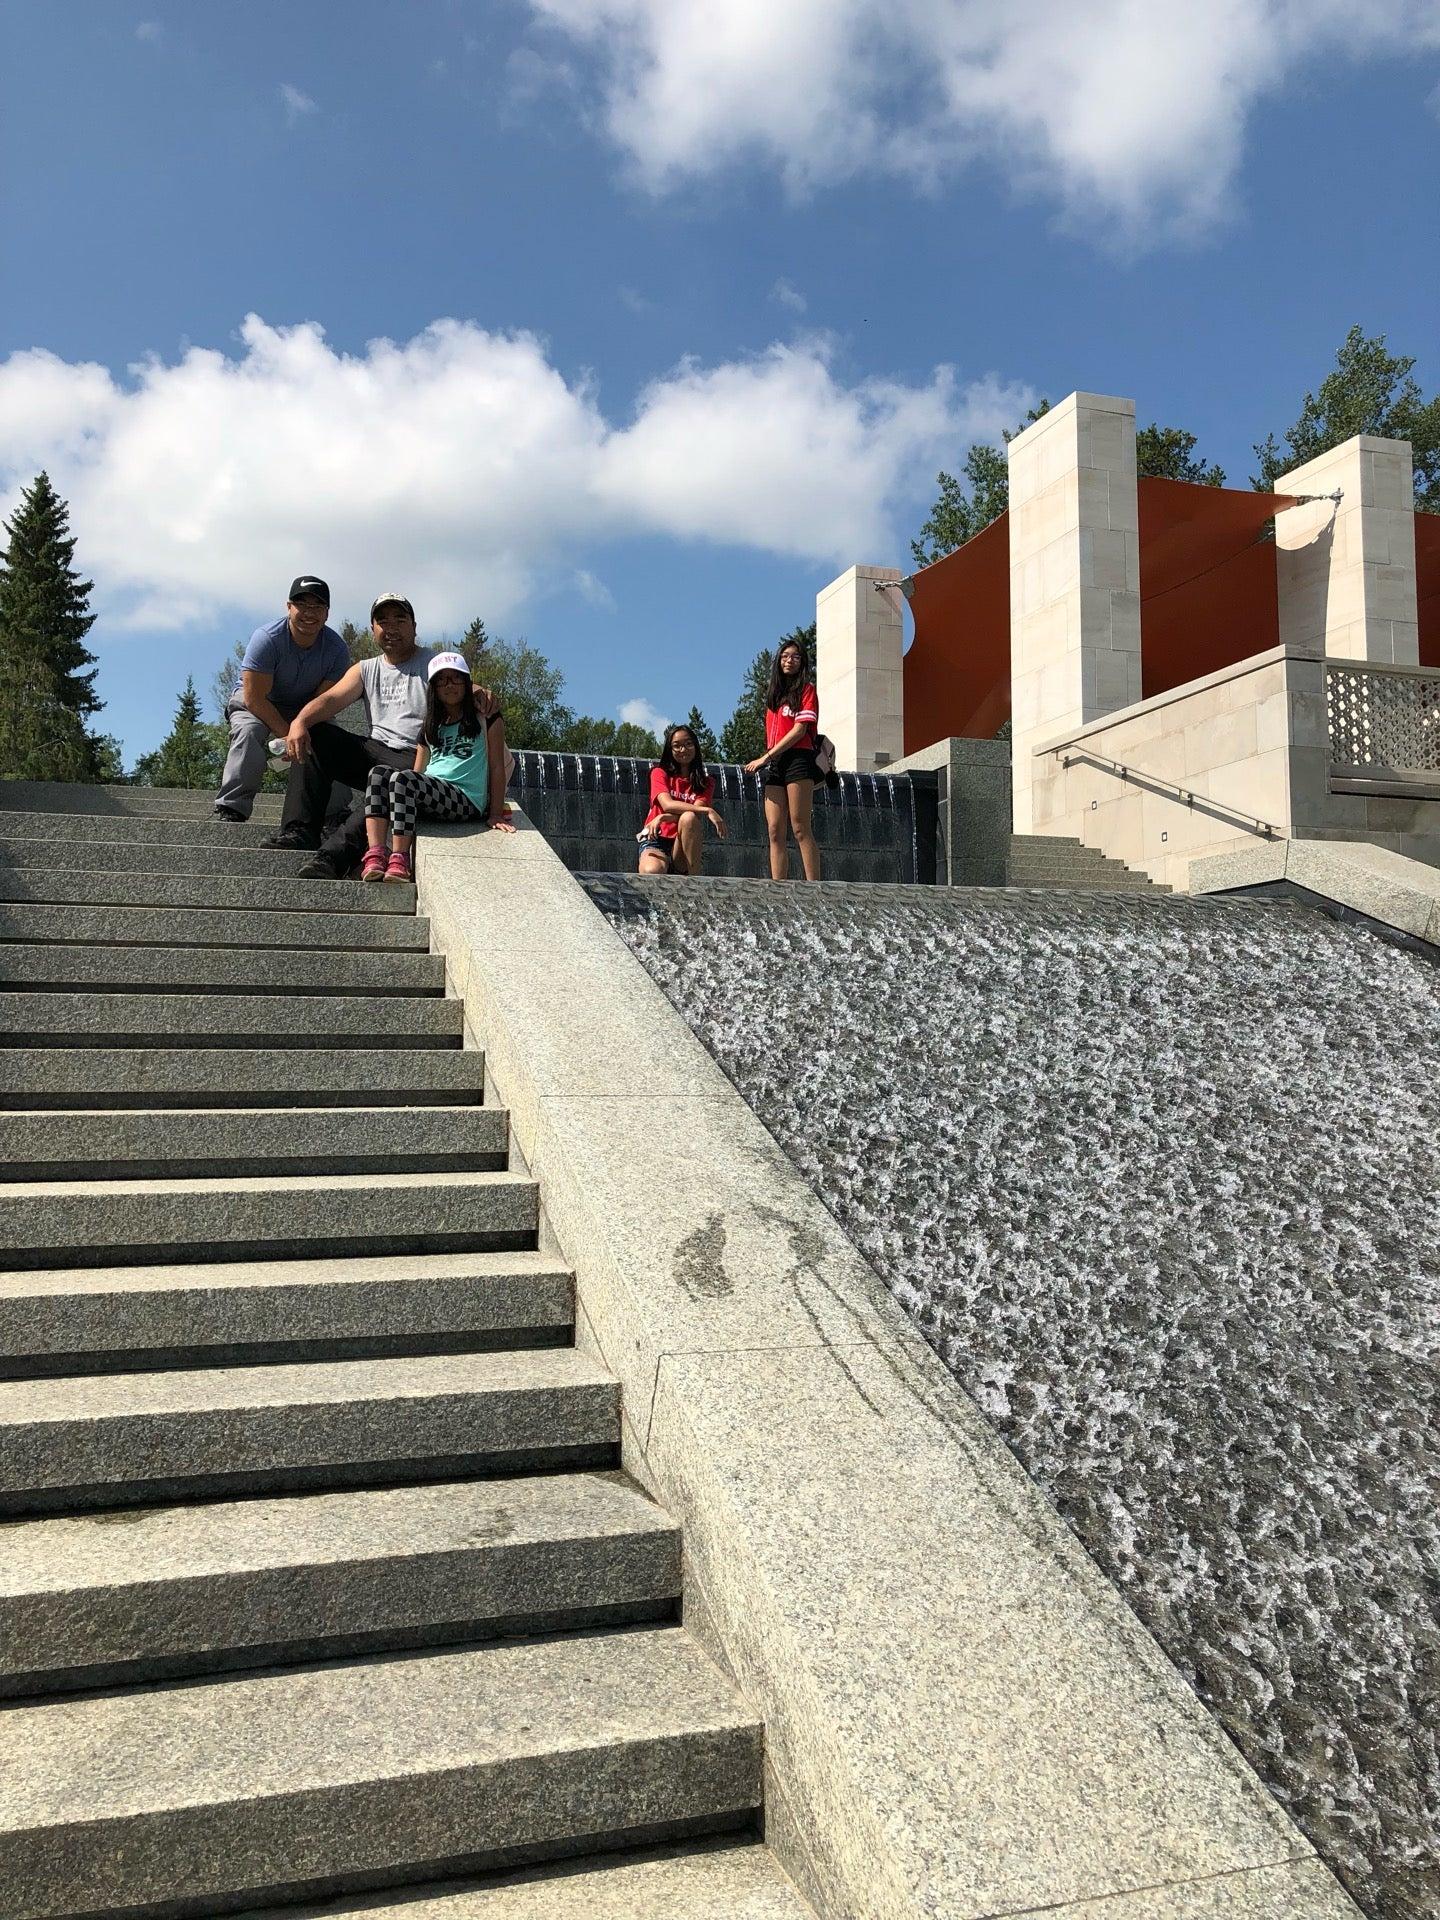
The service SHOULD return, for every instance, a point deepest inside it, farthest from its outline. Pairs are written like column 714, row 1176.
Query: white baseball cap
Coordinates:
column 447, row 663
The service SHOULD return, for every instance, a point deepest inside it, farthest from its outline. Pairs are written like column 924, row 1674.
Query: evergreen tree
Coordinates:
column 742, row 737
column 191, row 754
column 586, row 734
column 1370, row 391
column 529, row 688
column 44, row 618
column 965, row 508
column 700, row 727
column 1168, row 453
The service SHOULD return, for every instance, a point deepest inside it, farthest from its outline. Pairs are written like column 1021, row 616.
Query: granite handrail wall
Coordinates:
column 962, row 1716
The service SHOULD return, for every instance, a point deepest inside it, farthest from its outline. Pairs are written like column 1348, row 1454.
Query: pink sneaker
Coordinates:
column 373, row 866
column 398, row 867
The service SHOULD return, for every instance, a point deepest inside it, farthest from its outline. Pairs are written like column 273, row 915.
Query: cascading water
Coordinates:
column 1158, row 1180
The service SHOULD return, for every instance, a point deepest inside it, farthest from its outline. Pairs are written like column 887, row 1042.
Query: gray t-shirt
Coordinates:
column 395, row 697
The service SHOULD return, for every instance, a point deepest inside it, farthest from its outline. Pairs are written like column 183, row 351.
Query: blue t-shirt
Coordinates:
column 297, row 671
column 464, row 762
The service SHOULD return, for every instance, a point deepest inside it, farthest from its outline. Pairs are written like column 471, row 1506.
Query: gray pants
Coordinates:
column 246, row 761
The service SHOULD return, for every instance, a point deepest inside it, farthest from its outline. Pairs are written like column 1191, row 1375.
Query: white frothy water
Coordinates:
column 1158, row 1181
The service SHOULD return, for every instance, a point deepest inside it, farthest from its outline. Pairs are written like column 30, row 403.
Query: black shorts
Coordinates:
column 795, row 763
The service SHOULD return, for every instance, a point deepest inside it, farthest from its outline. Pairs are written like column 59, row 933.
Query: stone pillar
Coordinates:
column 1345, row 570
column 859, row 677
column 1074, row 576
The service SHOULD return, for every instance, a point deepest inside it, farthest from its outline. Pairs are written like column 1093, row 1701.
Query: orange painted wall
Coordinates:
column 1427, row 585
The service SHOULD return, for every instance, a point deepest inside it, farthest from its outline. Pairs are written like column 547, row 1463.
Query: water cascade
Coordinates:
column 1157, row 1178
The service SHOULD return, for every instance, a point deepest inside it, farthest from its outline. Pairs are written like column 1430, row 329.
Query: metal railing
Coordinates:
column 1383, row 717
column 1072, row 754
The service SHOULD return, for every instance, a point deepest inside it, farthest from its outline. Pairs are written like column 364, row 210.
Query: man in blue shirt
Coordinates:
column 286, row 664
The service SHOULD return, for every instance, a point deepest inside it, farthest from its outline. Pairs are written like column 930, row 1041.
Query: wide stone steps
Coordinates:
column 1049, row 860
column 283, row 1216
column 179, row 1077
column 288, row 973
column 319, row 1575
column 252, row 1582
column 164, row 1145
column 97, row 1019
column 116, row 1439
column 368, row 1772
column 89, row 1320
column 166, row 926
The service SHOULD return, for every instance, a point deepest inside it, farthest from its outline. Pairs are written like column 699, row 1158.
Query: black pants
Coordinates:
column 348, row 757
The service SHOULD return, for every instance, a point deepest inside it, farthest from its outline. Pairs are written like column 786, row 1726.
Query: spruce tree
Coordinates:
column 44, row 604
column 190, row 755
column 705, row 738
column 41, row 736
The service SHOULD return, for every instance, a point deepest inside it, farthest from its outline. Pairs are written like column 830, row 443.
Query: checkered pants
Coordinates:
column 402, row 796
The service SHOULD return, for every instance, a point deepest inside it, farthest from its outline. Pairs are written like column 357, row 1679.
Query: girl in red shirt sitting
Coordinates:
column 792, row 720
column 673, row 837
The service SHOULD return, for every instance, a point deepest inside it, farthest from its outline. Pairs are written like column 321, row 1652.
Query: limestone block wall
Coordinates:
column 1346, row 571
column 860, row 645
column 1250, row 741
column 1074, row 575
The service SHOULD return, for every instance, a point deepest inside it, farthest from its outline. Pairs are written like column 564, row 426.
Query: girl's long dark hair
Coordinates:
column 471, row 725
column 695, row 773
column 787, row 686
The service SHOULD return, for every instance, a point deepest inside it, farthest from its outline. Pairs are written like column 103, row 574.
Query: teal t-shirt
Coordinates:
column 465, row 763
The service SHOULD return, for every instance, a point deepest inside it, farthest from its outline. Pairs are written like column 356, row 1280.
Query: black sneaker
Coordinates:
column 291, row 840
column 320, row 869
column 232, row 814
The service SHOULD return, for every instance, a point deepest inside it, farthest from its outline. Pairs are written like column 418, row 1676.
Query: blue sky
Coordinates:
column 724, row 287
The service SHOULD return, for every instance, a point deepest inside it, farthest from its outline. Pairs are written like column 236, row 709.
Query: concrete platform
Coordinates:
column 178, row 1077
column 86, row 1320
column 136, row 1222
column 382, row 1770
column 154, row 855
column 243, row 1583
column 293, row 972
column 53, row 887
column 156, row 926
column 109, row 1145
column 171, row 807
column 723, row 1879
column 123, row 1439
column 153, row 829
column 97, row 1019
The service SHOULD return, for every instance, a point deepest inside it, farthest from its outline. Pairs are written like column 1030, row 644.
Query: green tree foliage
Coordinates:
column 191, row 754
column 966, row 507
column 47, row 670
column 1168, row 453
column 586, row 734
column 705, row 738
column 1370, row 390
column 742, row 737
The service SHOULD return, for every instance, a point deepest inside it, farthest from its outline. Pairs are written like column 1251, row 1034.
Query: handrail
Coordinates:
column 1266, row 828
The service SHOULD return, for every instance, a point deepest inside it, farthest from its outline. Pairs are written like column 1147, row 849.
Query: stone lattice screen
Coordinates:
column 1381, row 717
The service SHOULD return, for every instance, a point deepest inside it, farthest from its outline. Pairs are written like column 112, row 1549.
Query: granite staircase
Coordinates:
column 1052, row 860
column 320, row 1576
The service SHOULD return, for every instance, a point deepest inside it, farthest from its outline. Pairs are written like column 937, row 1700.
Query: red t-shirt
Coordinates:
column 679, row 786
column 779, row 720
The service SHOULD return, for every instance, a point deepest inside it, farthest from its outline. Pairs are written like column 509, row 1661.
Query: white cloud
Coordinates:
column 148, row 30
column 295, row 103
column 1128, row 112
column 461, row 460
column 786, row 294
column 640, row 713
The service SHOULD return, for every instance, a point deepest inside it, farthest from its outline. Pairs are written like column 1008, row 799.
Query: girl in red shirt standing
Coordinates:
column 792, row 718
column 681, row 792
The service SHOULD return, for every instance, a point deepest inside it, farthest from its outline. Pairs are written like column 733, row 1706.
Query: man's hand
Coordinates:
column 297, row 742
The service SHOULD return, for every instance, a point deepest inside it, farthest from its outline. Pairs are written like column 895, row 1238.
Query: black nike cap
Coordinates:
column 307, row 583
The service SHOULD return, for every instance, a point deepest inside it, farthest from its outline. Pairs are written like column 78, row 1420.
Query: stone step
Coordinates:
column 1079, row 877
column 292, row 972
column 55, row 801
column 177, row 1077
column 134, row 830
column 169, row 927
column 261, row 1582
column 38, row 1019
column 48, row 887
column 163, row 1144
column 368, row 1773
column 122, row 1439
column 167, row 856
column 139, row 1222
column 726, row 1878
column 88, row 1320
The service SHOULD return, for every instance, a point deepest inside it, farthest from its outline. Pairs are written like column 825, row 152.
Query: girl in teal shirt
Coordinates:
column 459, row 774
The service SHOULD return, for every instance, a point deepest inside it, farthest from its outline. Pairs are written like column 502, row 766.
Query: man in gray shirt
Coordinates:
column 393, row 687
